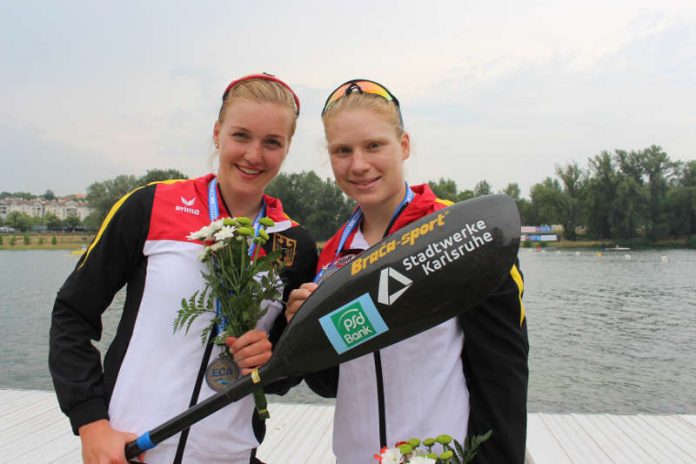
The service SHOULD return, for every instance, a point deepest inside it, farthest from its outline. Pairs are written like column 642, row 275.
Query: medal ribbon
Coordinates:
column 352, row 223
column 214, row 214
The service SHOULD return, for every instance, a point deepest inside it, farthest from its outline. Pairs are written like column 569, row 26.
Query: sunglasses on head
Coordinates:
column 363, row 86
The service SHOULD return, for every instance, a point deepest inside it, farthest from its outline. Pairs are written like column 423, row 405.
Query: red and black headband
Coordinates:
column 265, row 76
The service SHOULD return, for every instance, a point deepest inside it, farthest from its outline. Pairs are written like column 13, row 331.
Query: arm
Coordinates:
column 495, row 364
column 74, row 363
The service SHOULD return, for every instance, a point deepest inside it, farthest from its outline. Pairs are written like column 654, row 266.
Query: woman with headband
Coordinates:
column 465, row 376
column 150, row 373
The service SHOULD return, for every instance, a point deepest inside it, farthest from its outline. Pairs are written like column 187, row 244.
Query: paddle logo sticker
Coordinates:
column 408, row 239
column 383, row 296
column 440, row 253
column 353, row 324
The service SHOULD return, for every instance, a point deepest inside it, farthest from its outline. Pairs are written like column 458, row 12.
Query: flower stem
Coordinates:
column 261, row 404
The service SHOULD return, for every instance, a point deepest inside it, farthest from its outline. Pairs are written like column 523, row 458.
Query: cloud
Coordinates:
column 496, row 90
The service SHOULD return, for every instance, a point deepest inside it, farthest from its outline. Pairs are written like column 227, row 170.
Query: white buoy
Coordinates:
column 665, row 259
column 577, row 253
column 627, row 257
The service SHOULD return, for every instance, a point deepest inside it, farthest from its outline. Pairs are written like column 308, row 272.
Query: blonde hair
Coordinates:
column 262, row 91
column 365, row 101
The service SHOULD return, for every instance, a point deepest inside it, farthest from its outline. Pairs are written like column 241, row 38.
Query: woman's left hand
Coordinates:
column 250, row 351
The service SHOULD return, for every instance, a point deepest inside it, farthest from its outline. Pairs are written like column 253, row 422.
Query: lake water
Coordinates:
column 612, row 333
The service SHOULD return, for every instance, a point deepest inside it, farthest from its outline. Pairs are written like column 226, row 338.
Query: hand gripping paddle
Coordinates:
column 420, row 276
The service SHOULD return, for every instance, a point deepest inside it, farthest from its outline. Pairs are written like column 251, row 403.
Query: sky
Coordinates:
column 504, row 91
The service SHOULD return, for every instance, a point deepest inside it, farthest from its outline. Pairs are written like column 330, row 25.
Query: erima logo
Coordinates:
column 384, row 297
column 187, row 206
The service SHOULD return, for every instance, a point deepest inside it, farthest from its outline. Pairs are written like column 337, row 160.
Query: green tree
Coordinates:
column 629, row 205
column 680, row 202
column 156, row 175
column 600, row 195
column 465, row 195
column 569, row 207
column 630, row 201
column 52, row 221
column 512, row 190
column 483, row 188
column 445, row 189
column 546, row 200
column 71, row 222
column 20, row 221
column 49, row 195
column 92, row 221
column 523, row 205
column 21, row 195
column 317, row 204
column 101, row 196
column 658, row 169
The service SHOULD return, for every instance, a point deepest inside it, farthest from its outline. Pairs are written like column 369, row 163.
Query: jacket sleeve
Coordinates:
column 301, row 261
column 495, row 365
column 74, row 362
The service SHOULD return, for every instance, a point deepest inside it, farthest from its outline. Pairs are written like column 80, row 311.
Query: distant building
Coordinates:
column 62, row 208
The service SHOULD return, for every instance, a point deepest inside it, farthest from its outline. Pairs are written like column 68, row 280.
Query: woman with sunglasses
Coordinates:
column 150, row 373
column 467, row 375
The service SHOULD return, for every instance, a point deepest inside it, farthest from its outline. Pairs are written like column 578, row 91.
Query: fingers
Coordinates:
column 250, row 351
column 103, row 445
column 297, row 297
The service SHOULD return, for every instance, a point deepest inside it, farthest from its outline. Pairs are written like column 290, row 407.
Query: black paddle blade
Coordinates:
column 422, row 275
column 429, row 271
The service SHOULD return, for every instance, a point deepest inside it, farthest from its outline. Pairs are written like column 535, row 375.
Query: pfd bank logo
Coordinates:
column 188, row 206
column 353, row 324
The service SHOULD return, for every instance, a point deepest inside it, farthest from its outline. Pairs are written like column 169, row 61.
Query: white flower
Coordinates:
column 421, row 460
column 214, row 247
column 391, row 456
column 201, row 234
column 224, row 233
column 216, row 225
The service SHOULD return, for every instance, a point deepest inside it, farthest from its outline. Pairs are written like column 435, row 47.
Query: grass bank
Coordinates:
column 44, row 241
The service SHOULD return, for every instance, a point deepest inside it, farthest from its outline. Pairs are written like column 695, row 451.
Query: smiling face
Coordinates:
column 367, row 156
column 253, row 140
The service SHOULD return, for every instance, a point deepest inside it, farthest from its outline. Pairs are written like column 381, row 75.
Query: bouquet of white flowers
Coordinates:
column 237, row 281
column 414, row 451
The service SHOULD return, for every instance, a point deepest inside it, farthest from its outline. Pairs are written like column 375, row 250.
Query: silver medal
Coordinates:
column 221, row 372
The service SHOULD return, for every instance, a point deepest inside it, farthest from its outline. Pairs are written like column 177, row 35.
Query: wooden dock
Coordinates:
column 34, row 431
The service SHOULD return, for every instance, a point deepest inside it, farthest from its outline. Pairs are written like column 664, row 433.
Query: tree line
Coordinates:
column 623, row 195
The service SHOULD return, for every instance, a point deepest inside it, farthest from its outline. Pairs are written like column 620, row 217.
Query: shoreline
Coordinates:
column 602, row 245
column 45, row 241
column 75, row 241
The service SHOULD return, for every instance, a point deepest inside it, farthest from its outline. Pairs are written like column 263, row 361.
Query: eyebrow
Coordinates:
column 242, row 128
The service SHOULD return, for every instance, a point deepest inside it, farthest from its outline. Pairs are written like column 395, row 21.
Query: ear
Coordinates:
column 405, row 146
column 216, row 133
